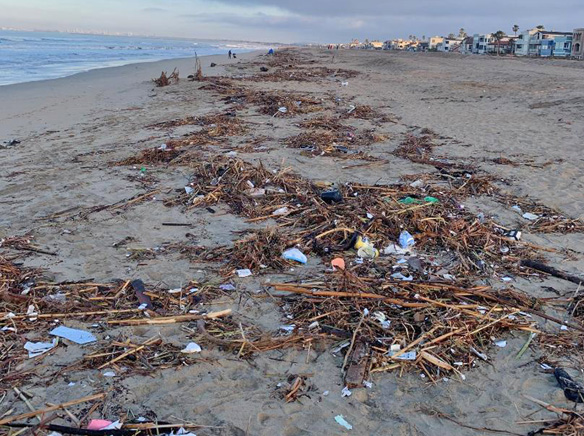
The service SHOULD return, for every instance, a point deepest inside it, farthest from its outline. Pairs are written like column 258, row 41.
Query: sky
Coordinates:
column 291, row 20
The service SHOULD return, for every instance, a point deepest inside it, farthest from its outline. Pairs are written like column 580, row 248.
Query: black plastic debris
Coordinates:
column 573, row 391
column 332, row 196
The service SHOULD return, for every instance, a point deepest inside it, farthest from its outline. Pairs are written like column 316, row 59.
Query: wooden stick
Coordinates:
column 52, row 408
column 551, row 270
column 171, row 319
column 79, row 314
column 132, row 351
column 299, row 290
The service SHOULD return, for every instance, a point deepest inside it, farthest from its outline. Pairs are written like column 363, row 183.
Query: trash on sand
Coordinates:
column 513, row 235
column 295, row 254
column 408, row 355
column 288, row 328
column 191, row 348
column 341, row 421
column 338, row 263
column 37, row 348
column 368, row 252
column 344, row 83
column 411, row 200
column 382, row 318
column 140, row 291
column 181, row 432
column 282, row 211
column 243, row 273
column 109, row 374
column 501, row 344
column 406, row 240
column 80, row 337
column 331, row 196
column 227, row 287
column 573, row 391
column 365, row 248
column 189, row 190
column 394, row 249
column 530, row 216
column 103, row 424
column 346, row 392
column 400, row 276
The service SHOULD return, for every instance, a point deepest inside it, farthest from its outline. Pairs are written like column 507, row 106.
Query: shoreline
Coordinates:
column 99, row 87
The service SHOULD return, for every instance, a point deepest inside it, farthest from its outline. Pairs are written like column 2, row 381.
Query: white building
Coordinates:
column 448, row 45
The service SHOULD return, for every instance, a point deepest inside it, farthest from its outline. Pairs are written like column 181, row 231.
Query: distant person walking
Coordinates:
column 229, row 54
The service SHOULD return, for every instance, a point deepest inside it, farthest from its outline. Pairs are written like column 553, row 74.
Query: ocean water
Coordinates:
column 30, row 56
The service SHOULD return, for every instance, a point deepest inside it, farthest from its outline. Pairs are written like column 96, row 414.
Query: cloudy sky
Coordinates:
column 290, row 20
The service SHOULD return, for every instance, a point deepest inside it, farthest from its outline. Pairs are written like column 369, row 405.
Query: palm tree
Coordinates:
column 462, row 33
column 515, row 29
column 499, row 35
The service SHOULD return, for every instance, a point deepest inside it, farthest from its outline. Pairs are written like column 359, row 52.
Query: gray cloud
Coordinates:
column 154, row 10
column 334, row 20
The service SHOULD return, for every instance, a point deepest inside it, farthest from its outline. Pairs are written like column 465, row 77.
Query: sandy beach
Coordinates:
column 95, row 208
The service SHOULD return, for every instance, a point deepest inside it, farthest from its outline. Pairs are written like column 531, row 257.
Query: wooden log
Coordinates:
column 538, row 266
column 358, row 364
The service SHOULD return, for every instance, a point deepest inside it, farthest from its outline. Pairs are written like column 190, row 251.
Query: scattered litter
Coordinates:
column 281, row 211
column 100, row 424
column 189, row 190
column 288, row 328
column 530, row 216
column 513, row 235
column 338, row 263
column 400, row 276
column 367, row 384
column 109, row 374
column 573, row 390
column 80, row 337
column 501, row 343
column 243, row 273
column 295, row 254
column 394, row 249
column 406, row 240
column 227, row 287
column 37, row 348
column 341, row 421
column 346, row 392
column 332, row 196
column 191, row 348
column 408, row 355
column 564, row 327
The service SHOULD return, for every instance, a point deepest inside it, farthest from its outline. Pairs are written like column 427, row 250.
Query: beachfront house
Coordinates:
column 578, row 43
column 504, row 46
column 434, row 41
column 521, row 47
column 448, row 45
column 466, row 45
column 550, row 44
column 377, row 45
column 481, row 43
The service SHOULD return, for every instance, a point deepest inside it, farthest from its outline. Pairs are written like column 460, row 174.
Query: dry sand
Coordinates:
column 529, row 111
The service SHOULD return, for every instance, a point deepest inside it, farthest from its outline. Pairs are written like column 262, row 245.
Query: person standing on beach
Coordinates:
column 229, row 54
